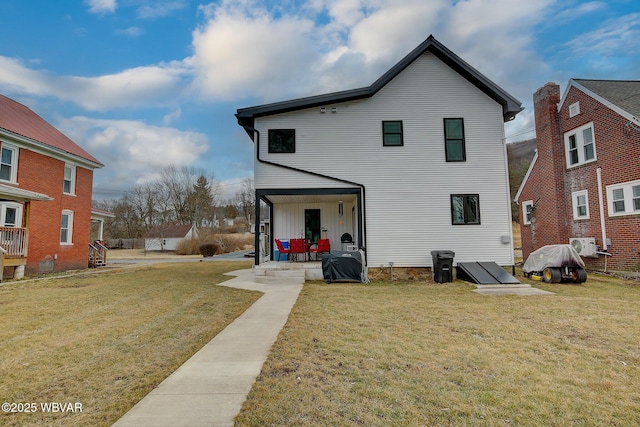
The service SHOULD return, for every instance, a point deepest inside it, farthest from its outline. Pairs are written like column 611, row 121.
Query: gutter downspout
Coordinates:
column 344, row 181
column 601, row 201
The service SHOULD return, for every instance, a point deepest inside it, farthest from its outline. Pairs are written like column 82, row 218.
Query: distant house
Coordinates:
column 45, row 190
column 413, row 163
column 583, row 186
column 167, row 237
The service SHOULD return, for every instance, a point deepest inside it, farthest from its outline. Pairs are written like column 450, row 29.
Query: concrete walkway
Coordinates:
column 209, row 389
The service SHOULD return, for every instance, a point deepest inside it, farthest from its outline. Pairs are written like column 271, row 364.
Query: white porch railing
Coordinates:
column 14, row 241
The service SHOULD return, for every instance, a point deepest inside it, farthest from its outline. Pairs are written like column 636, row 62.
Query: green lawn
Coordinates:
column 423, row 354
column 106, row 340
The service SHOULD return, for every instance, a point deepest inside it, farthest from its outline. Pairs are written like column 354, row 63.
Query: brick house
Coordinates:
column 583, row 185
column 45, row 193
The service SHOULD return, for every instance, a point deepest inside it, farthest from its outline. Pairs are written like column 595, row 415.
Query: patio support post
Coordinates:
column 256, row 252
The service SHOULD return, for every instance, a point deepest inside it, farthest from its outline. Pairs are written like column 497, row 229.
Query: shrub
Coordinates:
column 209, row 249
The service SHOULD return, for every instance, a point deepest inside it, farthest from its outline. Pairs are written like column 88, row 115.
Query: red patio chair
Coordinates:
column 298, row 246
column 282, row 250
column 323, row 246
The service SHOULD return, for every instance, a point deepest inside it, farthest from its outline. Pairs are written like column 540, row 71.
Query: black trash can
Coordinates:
column 442, row 266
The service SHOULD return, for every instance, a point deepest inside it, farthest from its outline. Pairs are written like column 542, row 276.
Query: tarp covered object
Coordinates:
column 339, row 266
column 552, row 256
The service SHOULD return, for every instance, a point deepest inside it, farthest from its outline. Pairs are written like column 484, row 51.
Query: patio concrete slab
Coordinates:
column 209, row 389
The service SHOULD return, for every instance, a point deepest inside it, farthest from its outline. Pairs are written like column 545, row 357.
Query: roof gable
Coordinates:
column 510, row 106
column 622, row 96
column 18, row 119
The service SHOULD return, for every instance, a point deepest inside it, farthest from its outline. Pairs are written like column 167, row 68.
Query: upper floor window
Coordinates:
column 8, row 163
column 454, row 140
column 69, row 185
column 580, row 201
column 282, row 140
column 465, row 209
column 580, row 145
column 624, row 199
column 527, row 212
column 66, row 228
column 392, row 133
column 574, row 109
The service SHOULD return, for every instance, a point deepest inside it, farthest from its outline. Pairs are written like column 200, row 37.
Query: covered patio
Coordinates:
column 310, row 214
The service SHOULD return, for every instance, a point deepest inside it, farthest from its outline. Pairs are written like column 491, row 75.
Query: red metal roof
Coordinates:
column 19, row 119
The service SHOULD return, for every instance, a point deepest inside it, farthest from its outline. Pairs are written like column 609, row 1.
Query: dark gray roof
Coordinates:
column 622, row 93
column 510, row 105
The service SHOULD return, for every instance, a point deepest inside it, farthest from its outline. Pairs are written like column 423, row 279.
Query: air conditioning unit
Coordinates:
column 585, row 246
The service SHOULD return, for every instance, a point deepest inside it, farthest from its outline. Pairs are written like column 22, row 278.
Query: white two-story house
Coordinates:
column 413, row 163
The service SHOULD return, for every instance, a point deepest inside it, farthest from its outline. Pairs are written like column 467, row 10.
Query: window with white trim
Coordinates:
column 10, row 214
column 624, row 198
column 8, row 163
column 527, row 212
column 69, row 184
column 66, row 228
column 574, row 109
column 580, row 204
column 580, row 146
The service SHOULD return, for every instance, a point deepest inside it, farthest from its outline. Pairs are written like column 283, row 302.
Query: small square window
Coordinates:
column 392, row 134
column 574, row 109
column 282, row 140
column 454, row 145
column 465, row 209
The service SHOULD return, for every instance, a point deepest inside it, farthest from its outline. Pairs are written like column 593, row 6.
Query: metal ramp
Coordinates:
column 484, row 273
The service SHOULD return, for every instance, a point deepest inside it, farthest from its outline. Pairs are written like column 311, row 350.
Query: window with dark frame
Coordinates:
column 465, row 209
column 454, row 145
column 392, row 133
column 282, row 140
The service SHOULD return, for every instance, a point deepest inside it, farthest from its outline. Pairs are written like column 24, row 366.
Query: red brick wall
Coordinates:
column 545, row 186
column 43, row 174
column 618, row 156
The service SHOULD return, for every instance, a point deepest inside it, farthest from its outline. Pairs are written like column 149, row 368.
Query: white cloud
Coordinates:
column 101, row 6
column 241, row 51
column 157, row 9
column 135, row 87
column 133, row 151
column 130, row 32
column 172, row 116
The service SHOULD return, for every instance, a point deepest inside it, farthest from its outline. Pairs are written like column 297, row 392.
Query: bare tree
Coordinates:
column 245, row 199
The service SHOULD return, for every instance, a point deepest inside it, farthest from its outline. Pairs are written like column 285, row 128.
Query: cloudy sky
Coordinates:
column 142, row 84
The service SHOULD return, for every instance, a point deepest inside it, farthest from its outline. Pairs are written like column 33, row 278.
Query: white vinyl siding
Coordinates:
column 407, row 191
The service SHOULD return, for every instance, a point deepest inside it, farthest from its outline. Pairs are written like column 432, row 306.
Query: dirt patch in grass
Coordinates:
column 107, row 340
column 439, row 354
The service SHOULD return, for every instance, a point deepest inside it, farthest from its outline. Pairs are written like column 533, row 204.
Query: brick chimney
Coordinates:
column 549, row 222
